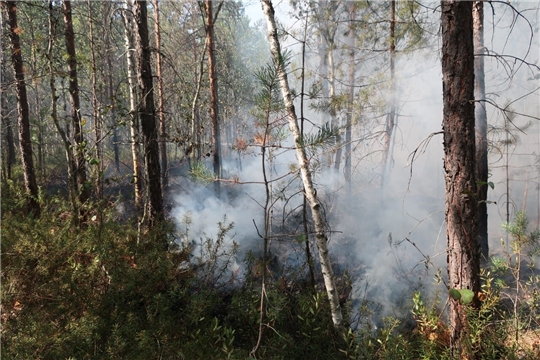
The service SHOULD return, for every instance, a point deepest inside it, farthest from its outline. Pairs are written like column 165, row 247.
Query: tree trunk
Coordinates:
column 23, row 113
column 322, row 49
column 147, row 114
column 7, row 121
column 459, row 163
column 95, row 106
column 70, row 157
column 161, row 114
column 214, row 113
column 134, row 116
column 348, row 125
column 391, row 117
column 481, row 127
column 75, row 104
column 320, row 234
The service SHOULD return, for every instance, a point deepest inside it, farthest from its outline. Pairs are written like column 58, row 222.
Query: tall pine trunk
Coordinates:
column 320, row 233
column 147, row 115
column 481, row 127
column 459, row 164
column 75, row 104
column 25, row 143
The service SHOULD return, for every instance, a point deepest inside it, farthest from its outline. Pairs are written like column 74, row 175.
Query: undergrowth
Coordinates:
column 107, row 292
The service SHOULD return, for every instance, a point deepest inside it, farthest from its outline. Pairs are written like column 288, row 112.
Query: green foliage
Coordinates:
column 107, row 292
column 324, row 138
column 200, row 173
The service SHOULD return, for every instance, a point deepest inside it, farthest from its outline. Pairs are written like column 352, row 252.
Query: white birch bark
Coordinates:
column 320, row 233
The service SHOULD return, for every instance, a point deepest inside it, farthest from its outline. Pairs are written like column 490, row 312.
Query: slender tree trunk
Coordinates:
column 481, row 127
column 37, row 111
column 112, row 98
column 214, row 105
column 391, row 117
column 71, row 162
column 134, row 116
column 7, row 121
column 75, row 103
column 309, row 257
column 25, row 143
column 459, row 164
column 332, row 97
column 322, row 44
column 320, row 233
column 195, row 143
column 161, row 114
column 350, row 108
column 147, row 114
column 95, row 105
column 8, row 151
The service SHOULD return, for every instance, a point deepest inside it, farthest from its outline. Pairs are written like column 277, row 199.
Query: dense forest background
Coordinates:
column 158, row 202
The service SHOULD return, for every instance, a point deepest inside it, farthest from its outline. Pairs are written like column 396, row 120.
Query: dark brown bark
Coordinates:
column 459, row 164
column 75, row 104
column 25, row 143
column 214, row 110
column 481, row 127
column 147, row 115
column 161, row 114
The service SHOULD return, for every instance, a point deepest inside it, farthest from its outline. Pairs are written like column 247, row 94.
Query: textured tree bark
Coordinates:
column 320, row 234
column 75, row 104
column 481, row 127
column 147, row 115
column 214, row 111
column 161, row 114
column 134, row 116
column 459, row 163
column 23, row 112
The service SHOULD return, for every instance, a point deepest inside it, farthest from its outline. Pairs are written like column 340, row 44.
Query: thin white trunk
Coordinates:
column 320, row 234
column 134, row 123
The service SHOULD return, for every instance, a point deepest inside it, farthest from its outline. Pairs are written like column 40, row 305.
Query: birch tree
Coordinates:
column 134, row 118
column 303, row 162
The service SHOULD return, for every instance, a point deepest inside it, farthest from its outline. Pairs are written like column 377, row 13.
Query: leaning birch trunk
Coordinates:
column 320, row 233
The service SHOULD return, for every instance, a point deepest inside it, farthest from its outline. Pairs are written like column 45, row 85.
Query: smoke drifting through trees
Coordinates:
column 371, row 238
column 390, row 247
